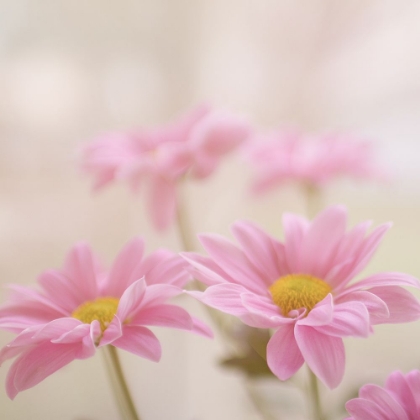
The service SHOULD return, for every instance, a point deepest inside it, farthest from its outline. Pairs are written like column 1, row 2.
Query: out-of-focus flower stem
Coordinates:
column 317, row 413
column 187, row 243
column 313, row 203
column 313, row 200
column 119, row 385
column 186, row 238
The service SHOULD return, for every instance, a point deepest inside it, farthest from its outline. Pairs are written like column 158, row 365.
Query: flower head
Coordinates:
column 192, row 145
column 398, row 399
column 81, row 307
column 290, row 156
column 300, row 288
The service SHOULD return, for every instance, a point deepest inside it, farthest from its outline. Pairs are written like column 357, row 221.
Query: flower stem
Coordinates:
column 313, row 396
column 183, row 225
column 119, row 385
column 186, row 235
column 187, row 244
column 313, row 200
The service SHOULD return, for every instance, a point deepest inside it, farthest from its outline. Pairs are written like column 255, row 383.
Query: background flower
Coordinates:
column 81, row 307
column 192, row 145
column 300, row 288
column 285, row 156
column 398, row 399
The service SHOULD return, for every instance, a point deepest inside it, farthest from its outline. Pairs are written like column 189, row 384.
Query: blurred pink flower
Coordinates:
column 300, row 288
column 399, row 399
column 285, row 156
column 81, row 307
column 192, row 145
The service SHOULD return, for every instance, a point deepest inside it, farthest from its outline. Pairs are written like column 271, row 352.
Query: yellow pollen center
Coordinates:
column 101, row 309
column 296, row 291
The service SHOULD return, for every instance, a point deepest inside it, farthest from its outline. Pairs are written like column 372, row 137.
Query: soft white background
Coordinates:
column 70, row 70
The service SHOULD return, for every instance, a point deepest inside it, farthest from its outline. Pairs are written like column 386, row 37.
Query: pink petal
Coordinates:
column 261, row 249
column 23, row 295
column 172, row 270
column 362, row 409
column 262, row 312
column 366, row 251
column 283, row 355
column 224, row 297
column 59, row 288
column 328, row 228
column 159, row 293
column 384, row 279
column 150, row 261
column 219, row 132
column 76, row 335
column 350, row 319
column 323, row 354
column 295, row 228
column 36, row 364
column 79, row 267
column 376, row 307
column 200, row 328
column 321, row 314
column 234, row 262
column 121, row 273
column 413, row 381
column 131, row 299
column 346, row 253
column 113, row 332
column 56, row 329
column 402, row 305
column 163, row 315
column 139, row 341
column 162, row 202
column 398, row 385
column 383, row 399
column 205, row 269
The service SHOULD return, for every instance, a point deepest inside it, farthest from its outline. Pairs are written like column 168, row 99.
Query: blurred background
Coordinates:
column 70, row 71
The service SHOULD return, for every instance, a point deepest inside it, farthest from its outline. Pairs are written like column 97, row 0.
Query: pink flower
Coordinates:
column 300, row 288
column 193, row 145
column 285, row 156
column 399, row 399
column 81, row 307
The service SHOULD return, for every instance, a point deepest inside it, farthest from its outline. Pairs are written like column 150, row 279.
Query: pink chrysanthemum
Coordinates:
column 285, row 156
column 193, row 145
column 81, row 307
column 399, row 399
column 300, row 288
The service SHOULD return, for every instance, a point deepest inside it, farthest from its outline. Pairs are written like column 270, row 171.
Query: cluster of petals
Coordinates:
column 239, row 279
column 192, row 145
column 49, row 336
column 284, row 156
column 398, row 399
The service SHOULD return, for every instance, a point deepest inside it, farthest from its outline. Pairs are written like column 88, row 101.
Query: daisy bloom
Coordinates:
column 284, row 156
column 399, row 399
column 81, row 307
column 192, row 145
column 300, row 288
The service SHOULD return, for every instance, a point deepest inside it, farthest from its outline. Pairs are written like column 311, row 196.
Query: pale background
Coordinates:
column 70, row 70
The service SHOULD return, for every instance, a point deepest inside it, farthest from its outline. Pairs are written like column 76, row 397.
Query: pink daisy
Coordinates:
column 399, row 399
column 193, row 145
column 300, row 288
column 81, row 307
column 285, row 156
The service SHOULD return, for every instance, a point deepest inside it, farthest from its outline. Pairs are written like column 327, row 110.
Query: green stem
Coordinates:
column 317, row 413
column 119, row 385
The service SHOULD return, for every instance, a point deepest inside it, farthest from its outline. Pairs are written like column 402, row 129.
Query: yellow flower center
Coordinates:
column 296, row 291
column 101, row 309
